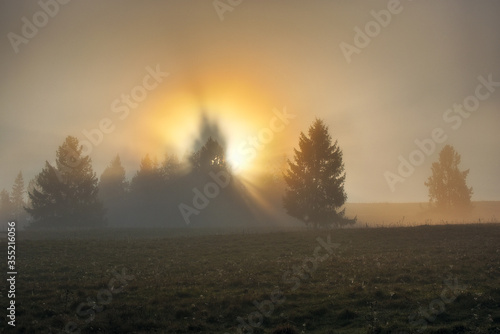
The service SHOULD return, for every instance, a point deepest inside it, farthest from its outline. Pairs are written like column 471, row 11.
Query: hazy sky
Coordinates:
column 74, row 72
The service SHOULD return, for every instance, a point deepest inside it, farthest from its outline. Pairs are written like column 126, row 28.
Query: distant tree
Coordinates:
column 48, row 199
column 148, row 179
column 447, row 184
column 5, row 205
column 66, row 195
column 112, row 184
column 315, row 180
column 32, row 185
column 17, row 197
column 210, row 156
column 147, row 194
column 113, row 191
column 171, row 167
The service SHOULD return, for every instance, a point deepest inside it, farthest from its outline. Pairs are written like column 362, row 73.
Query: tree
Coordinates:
column 315, row 180
column 147, row 194
column 447, row 184
column 17, row 197
column 148, row 179
column 112, row 184
column 171, row 167
column 32, row 185
column 12, row 204
column 5, row 205
column 66, row 195
column 210, row 156
column 113, row 191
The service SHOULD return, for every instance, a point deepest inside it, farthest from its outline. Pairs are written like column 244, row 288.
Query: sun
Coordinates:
column 239, row 162
column 241, row 109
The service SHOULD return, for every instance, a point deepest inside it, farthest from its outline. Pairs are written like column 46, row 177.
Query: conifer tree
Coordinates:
column 5, row 205
column 315, row 180
column 112, row 184
column 17, row 197
column 148, row 179
column 65, row 195
column 210, row 156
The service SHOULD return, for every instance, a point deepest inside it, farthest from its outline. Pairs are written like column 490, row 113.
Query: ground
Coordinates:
column 436, row 279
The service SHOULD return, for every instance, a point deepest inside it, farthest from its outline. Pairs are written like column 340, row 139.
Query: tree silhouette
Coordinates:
column 112, row 184
column 5, row 205
column 210, row 156
column 12, row 204
column 171, row 167
column 148, row 179
column 148, row 194
column 113, row 189
column 66, row 195
column 17, row 197
column 447, row 184
column 315, row 180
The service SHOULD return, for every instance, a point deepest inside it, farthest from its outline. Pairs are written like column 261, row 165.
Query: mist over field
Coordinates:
column 250, row 166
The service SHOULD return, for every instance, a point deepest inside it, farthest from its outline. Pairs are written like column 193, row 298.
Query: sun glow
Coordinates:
column 239, row 162
column 239, row 110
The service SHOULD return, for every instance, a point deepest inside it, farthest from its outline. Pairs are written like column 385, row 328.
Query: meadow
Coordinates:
column 432, row 279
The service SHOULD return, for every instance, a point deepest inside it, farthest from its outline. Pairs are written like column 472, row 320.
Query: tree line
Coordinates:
column 69, row 194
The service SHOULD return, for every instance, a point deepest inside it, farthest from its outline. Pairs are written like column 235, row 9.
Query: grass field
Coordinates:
column 412, row 214
column 437, row 279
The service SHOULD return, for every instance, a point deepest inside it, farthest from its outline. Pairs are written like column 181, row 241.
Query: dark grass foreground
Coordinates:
column 439, row 279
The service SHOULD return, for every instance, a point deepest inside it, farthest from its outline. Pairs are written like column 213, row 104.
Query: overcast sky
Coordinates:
column 378, row 93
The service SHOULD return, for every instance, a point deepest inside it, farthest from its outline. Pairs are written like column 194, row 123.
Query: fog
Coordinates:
column 250, row 166
column 205, row 75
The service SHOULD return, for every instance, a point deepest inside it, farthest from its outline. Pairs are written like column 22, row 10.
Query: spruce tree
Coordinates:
column 112, row 184
column 210, row 157
column 148, row 179
column 65, row 195
column 171, row 167
column 17, row 197
column 113, row 191
column 315, row 180
column 5, row 206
